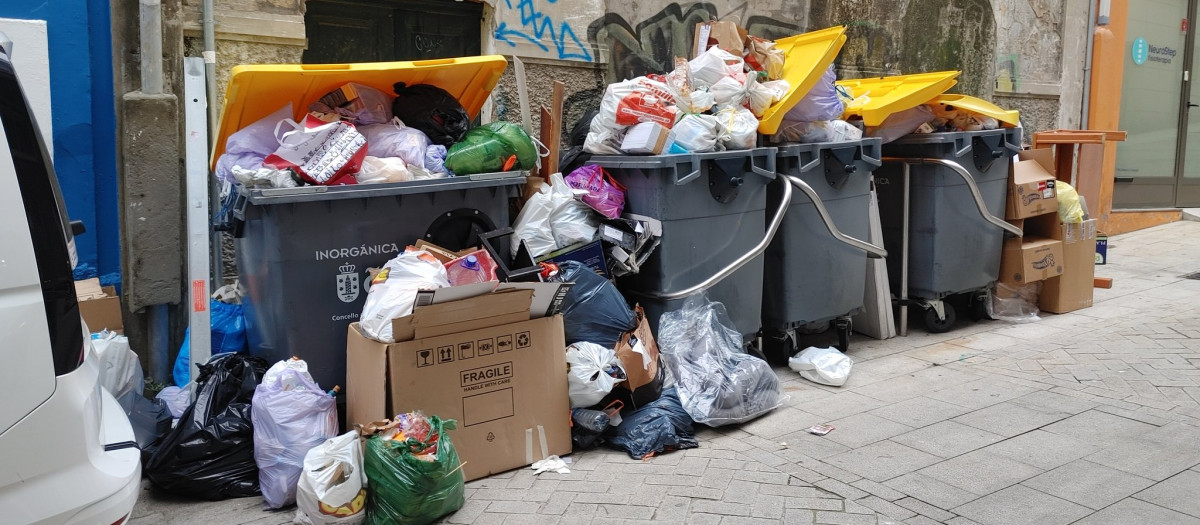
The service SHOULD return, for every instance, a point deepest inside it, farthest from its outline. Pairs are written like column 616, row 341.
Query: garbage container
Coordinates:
column 713, row 208
column 953, row 247
column 303, row 253
column 812, row 272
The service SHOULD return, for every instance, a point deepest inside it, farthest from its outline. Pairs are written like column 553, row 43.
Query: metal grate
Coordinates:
column 1195, row 276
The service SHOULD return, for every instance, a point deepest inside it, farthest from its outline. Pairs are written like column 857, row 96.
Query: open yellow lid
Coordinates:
column 1010, row 118
column 806, row 57
column 256, row 91
column 887, row 95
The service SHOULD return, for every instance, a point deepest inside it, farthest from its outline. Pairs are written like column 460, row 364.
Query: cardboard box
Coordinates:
column 1030, row 259
column 1073, row 289
column 648, row 138
column 1030, row 191
column 481, row 356
column 1101, row 249
column 639, row 356
column 726, row 35
column 99, row 306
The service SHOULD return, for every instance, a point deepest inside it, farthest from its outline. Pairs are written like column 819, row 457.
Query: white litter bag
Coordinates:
column 382, row 169
column 741, row 128
column 554, row 218
column 826, row 366
column 332, row 486
column 697, row 133
column 120, row 369
column 176, row 398
column 533, row 224
column 587, row 380
column 394, row 290
column 291, row 414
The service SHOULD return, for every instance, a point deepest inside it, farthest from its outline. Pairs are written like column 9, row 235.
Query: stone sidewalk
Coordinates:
column 1091, row 417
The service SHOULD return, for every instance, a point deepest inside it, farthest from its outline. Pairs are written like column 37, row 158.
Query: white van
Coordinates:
column 67, row 451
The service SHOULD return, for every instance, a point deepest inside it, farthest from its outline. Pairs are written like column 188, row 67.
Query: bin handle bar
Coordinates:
column 872, row 160
column 811, row 164
column 966, row 177
column 689, row 178
column 874, row 252
column 758, row 249
column 763, row 172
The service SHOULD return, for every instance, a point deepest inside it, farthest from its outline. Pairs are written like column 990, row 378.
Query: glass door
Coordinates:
column 1150, row 104
column 1187, row 185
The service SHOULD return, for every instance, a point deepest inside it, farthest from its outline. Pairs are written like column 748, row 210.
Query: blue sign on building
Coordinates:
column 1140, row 50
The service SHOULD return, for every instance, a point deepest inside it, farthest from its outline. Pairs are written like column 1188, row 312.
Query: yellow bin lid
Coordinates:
column 806, row 57
column 887, row 95
column 1011, row 118
column 256, row 91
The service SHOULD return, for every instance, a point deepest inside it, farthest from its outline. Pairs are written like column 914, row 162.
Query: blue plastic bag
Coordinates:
column 228, row 335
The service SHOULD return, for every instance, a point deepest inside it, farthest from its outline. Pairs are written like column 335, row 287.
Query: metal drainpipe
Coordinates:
column 1087, row 65
column 210, row 92
column 150, row 46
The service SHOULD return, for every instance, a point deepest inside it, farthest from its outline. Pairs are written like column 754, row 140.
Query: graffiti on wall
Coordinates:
column 539, row 28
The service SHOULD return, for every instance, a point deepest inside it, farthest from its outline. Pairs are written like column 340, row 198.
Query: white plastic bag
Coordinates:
column 176, row 398
column 718, row 383
column 741, row 128
column 817, row 132
column 572, row 220
column 826, row 366
column 291, row 414
column 587, row 380
column 900, row 124
column 1016, row 303
column 625, row 104
column 247, row 147
column 697, row 133
column 264, row 177
column 120, row 369
column 382, row 169
column 394, row 290
column 763, row 95
column 394, row 139
column 711, row 66
column 533, row 224
column 821, row 102
column 332, row 486
column 727, row 91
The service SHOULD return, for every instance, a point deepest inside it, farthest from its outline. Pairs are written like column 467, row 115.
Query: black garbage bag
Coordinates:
column 432, row 110
column 660, row 426
column 210, row 453
column 150, row 418
column 594, row 310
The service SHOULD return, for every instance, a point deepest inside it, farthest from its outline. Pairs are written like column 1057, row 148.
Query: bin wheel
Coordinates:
column 940, row 326
column 843, row 326
column 777, row 348
column 978, row 308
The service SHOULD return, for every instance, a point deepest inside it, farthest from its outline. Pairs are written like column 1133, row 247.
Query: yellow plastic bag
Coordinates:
column 1070, row 209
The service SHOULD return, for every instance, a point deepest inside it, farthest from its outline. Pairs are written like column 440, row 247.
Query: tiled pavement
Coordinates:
column 1091, row 417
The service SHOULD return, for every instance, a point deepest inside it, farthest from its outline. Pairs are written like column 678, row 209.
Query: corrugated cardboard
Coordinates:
column 639, row 357
column 99, row 306
column 1073, row 289
column 483, row 360
column 727, row 35
column 1030, row 259
column 1030, row 191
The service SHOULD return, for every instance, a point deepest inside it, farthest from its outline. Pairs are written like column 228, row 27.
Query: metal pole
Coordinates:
column 904, row 257
column 1087, row 65
column 198, row 223
column 875, row 252
column 150, row 15
column 210, row 89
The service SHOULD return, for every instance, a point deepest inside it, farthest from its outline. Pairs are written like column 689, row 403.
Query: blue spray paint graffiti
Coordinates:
column 542, row 25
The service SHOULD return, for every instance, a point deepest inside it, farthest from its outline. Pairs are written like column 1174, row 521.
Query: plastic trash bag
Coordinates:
column 902, row 123
column 405, row 488
column 594, row 311
column 394, row 289
column 821, row 103
column 228, row 334
column 150, row 419
column 1070, row 210
column 176, row 398
column 291, row 415
column 817, row 132
column 491, row 148
column 263, row 177
column 625, row 104
column 826, row 366
column 1015, row 303
column 658, row 427
column 376, row 170
column 710, row 67
column 741, row 128
column 697, row 133
column 435, row 159
column 394, row 139
column 604, row 193
column 764, row 56
column 120, row 368
column 210, row 453
column 763, row 95
column 718, row 384
column 360, row 104
column 590, row 373
column 321, row 153
column 532, row 224
column 432, row 110
column 235, row 168
column 572, row 221
column 251, row 144
column 332, row 487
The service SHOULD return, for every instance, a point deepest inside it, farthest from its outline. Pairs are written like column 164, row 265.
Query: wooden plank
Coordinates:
column 547, row 131
column 1102, row 282
column 1089, row 181
column 556, row 112
column 1064, row 163
column 1125, row 221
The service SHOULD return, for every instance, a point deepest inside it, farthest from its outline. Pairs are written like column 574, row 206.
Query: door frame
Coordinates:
column 1185, row 105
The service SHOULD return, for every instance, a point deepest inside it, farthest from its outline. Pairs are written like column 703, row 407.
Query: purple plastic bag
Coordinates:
column 605, row 194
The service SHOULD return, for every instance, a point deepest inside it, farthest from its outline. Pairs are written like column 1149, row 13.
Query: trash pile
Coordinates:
column 357, row 134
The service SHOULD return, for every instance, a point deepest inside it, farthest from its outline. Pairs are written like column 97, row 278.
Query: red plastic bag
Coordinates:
column 325, row 154
column 605, row 194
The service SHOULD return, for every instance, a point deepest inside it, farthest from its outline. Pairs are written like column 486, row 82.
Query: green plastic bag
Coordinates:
column 405, row 490
column 489, row 147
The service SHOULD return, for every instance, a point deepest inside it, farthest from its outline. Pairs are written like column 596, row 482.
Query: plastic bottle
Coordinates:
column 467, row 271
column 594, row 420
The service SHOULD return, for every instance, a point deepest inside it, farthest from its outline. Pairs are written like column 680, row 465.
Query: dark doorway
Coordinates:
column 346, row 31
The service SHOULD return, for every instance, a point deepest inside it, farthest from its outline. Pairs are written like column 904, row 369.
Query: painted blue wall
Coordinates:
column 84, row 120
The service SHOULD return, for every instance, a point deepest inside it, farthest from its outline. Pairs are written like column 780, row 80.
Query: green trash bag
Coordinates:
column 403, row 489
column 489, row 148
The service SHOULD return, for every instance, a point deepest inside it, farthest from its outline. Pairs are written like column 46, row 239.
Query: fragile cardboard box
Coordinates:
column 485, row 359
column 99, row 306
column 1073, row 289
column 1030, row 191
column 1030, row 259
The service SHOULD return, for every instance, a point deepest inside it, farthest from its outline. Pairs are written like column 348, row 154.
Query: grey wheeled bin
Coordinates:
column 816, row 264
column 303, row 253
column 941, row 199
column 713, row 208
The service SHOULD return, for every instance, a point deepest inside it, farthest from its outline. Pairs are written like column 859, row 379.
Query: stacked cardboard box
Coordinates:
column 1037, row 255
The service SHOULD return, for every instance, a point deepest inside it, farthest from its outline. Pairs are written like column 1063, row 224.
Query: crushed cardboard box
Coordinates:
column 99, row 306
